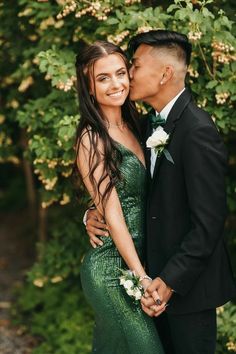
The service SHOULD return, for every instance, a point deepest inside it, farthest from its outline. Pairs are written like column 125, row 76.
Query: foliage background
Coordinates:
column 38, row 118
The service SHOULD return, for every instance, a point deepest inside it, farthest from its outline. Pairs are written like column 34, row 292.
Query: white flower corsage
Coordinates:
column 132, row 284
column 158, row 140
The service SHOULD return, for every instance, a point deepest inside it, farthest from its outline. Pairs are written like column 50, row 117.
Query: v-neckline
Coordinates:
column 130, row 151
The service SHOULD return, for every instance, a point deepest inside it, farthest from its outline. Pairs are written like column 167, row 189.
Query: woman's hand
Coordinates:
column 145, row 283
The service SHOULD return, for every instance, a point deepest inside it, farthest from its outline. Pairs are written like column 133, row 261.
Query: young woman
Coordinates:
column 111, row 163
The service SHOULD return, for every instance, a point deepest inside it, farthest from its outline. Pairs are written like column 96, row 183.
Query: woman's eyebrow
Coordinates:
column 100, row 74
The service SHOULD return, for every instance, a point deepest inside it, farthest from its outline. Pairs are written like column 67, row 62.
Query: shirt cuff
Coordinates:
column 86, row 214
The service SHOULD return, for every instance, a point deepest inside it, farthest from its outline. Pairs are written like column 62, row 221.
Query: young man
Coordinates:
column 186, row 209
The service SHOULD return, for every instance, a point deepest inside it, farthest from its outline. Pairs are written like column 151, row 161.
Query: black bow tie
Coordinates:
column 156, row 120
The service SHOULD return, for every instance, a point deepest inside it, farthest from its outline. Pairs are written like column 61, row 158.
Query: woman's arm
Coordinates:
column 112, row 212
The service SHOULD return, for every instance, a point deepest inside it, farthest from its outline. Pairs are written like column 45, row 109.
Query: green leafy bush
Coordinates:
column 39, row 41
column 60, row 257
column 59, row 316
column 226, row 324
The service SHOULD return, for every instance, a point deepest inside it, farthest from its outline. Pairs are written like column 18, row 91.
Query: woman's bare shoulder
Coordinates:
column 89, row 140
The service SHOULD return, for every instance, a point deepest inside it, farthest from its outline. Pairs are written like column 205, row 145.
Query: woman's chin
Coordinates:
column 117, row 101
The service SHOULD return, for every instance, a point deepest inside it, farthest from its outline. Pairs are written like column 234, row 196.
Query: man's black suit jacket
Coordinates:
column 186, row 211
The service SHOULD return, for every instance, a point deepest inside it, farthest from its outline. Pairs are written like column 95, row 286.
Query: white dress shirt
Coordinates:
column 164, row 114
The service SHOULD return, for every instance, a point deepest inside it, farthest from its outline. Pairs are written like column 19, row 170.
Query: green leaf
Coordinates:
column 119, row 14
column 181, row 14
column 168, row 156
column 112, row 21
column 211, row 84
column 172, row 7
column 207, row 13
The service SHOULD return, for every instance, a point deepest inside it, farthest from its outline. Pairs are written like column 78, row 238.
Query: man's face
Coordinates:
column 146, row 73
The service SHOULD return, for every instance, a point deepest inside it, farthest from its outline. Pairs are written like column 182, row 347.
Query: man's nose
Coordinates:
column 131, row 70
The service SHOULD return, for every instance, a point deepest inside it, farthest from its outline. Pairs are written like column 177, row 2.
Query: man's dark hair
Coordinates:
column 164, row 39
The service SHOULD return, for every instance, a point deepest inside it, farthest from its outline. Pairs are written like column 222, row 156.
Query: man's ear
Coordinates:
column 167, row 75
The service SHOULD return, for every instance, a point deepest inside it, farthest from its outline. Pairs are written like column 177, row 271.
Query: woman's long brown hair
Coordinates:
column 93, row 122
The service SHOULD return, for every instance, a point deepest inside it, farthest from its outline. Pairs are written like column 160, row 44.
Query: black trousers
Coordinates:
column 193, row 333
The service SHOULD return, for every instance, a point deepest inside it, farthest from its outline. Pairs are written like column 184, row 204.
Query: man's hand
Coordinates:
column 160, row 293
column 95, row 226
column 150, row 307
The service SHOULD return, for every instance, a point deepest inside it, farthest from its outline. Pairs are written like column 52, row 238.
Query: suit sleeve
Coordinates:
column 204, row 161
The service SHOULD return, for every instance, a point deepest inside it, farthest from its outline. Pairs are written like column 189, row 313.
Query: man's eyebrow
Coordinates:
column 133, row 60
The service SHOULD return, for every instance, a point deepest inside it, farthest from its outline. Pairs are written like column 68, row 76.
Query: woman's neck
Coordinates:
column 113, row 116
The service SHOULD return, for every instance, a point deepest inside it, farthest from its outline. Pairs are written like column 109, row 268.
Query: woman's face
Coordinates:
column 110, row 81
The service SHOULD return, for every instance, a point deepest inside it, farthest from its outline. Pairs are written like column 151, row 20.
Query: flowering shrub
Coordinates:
column 45, row 104
column 226, row 321
column 39, row 41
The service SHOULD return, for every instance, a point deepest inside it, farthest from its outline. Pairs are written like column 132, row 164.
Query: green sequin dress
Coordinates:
column 121, row 327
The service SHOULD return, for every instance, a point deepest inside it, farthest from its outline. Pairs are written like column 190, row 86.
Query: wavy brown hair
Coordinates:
column 92, row 120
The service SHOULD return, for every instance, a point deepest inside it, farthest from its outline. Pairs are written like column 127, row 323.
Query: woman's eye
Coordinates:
column 103, row 78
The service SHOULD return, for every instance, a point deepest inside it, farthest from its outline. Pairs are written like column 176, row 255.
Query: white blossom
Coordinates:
column 130, row 292
column 159, row 137
column 137, row 294
column 128, row 284
column 122, row 280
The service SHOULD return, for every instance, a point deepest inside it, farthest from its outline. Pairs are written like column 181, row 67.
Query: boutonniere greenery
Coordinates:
column 158, row 141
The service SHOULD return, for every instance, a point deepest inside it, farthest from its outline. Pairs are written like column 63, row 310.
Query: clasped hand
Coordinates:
column 156, row 297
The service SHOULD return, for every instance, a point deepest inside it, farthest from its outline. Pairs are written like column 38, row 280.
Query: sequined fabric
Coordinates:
column 121, row 327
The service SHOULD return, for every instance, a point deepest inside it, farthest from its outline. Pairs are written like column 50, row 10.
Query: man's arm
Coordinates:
column 204, row 161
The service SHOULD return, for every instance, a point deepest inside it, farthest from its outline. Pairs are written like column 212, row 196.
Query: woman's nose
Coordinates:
column 115, row 82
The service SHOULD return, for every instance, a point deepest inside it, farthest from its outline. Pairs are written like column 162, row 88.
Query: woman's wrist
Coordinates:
column 145, row 277
column 145, row 281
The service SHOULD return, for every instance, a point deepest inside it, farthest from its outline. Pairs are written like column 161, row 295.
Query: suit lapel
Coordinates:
column 169, row 127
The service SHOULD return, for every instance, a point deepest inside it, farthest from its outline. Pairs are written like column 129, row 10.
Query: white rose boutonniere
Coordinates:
column 158, row 140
